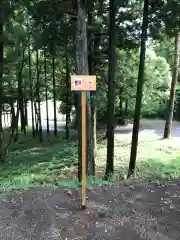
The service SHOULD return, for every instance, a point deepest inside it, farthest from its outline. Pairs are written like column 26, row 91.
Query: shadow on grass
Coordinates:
column 153, row 169
column 156, row 169
column 30, row 162
column 159, row 168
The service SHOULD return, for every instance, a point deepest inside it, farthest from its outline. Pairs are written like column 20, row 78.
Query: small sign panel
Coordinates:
column 83, row 83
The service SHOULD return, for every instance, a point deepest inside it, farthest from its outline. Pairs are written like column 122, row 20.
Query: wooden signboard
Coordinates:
column 83, row 83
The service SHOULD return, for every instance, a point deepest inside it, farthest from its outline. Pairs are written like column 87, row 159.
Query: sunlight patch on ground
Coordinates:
column 149, row 147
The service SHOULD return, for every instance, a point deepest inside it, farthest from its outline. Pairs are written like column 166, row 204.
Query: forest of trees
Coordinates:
column 132, row 46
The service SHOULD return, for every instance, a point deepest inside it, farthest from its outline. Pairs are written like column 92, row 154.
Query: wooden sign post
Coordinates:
column 83, row 84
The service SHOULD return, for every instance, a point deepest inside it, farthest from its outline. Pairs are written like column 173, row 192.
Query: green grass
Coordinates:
column 31, row 163
column 159, row 168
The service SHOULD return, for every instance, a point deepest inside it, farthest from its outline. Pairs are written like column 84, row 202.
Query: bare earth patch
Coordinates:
column 135, row 212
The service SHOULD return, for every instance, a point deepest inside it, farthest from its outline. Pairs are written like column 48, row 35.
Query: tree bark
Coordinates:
column 38, row 97
column 91, row 64
column 30, row 82
column 134, row 144
column 126, row 108
column 21, row 97
column 36, row 117
column 121, row 108
column 13, row 115
column 26, row 113
column 20, row 106
column 68, row 102
column 111, row 91
column 82, row 69
column 54, row 95
column 46, row 92
column 168, row 124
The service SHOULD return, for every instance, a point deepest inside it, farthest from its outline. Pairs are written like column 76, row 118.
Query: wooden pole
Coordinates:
column 83, row 104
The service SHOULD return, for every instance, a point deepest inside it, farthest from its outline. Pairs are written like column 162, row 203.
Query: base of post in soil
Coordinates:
column 83, row 207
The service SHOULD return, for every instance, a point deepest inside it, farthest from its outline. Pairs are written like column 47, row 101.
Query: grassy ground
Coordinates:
column 30, row 162
column 156, row 157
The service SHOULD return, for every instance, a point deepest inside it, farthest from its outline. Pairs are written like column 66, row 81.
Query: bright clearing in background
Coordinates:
column 83, row 83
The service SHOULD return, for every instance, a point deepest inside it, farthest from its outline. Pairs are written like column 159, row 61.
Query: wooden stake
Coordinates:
column 83, row 104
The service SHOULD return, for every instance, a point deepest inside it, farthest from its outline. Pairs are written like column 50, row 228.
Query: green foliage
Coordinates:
column 62, row 108
column 156, row 86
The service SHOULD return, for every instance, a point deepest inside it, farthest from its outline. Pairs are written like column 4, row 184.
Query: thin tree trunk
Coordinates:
column 82, row 69
column 36, row 118
column 46, row 91
column 20, row 107
column 111, row 91
column 22, row 113
column 54, row 95
column 121, row 103
column 134, row 144
column 13, row 115
column 26, row 113
column 20, row 92
column 126, row 108
column 168, row 124
column 15, row 127
column 38, row 97
column 121, row 108
column 68, row 102
column 31, row 84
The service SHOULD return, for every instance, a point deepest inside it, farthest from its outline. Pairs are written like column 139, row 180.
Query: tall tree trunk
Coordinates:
column 20, row 107
column 121, row 102
column 121, row 108
column 1, row 74
column 82, row 69
column 68, row 102
column 20, row 90
column 15, row 127
column 46, row 91
column 111, row 90
column 38, row 97
column 26, row 113
column 126, row 108
column 91, row 64
column 134, row 144
column 36, row 117
column 31, row 83
column 54, row 95
column 168, row 124
column 13, row 115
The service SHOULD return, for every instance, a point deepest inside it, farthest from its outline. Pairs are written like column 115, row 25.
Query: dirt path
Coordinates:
column 134, row 212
